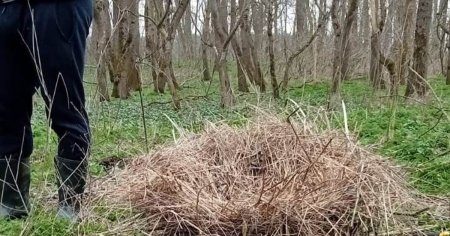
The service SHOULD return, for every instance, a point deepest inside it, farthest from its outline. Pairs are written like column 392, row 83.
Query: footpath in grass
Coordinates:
column 419, row 137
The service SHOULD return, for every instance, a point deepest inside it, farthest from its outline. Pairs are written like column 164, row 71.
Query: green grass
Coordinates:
column 420, row 137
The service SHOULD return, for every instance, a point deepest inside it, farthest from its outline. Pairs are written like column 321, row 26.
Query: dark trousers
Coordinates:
column 42, row 48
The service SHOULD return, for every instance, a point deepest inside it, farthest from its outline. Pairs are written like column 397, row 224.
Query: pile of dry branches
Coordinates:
column 269, row 178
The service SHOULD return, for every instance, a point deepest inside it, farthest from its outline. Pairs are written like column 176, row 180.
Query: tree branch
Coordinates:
column 177, row 17
column 301, row 50
column 233, row 31
column 143, row 16
column 166, row 14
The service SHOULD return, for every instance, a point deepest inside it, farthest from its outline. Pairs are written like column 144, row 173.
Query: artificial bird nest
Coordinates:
column 268, row 178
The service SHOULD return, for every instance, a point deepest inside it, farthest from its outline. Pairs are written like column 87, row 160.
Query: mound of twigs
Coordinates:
column 268, row 178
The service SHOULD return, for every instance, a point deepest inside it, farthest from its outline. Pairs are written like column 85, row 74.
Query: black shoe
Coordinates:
column 14, row 188
column 71, row 181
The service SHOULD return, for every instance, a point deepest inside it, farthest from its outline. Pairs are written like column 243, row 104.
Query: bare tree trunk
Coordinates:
column 337, row 58
column 342, row 48
column 448, row 60
column 205, row 39
column 241, row 73
column 222, row 40
column 365, row 24
column 128, row 31
column 258, row 22
column 151, row 40
column 348, row 25
column 166, row 21
column 174, row 78
column 406, row 20
column 134, row 76
column 273, row 77
column 434, row 42
column 398, row 65
column 162, row 26
column 300, row 18
column 417, row 85
column 249, row 55
column 446, row 31
column 321, row 42
column 166, row 59
column 375, row 66
column 114, row 50
column 301, row 28
column 255, row 55
column 378, row 22
column 187, row 33
column 442, row 34
column 101, row 34
column 388, row 41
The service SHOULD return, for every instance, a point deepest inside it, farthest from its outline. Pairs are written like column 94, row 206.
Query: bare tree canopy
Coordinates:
column 392, row 43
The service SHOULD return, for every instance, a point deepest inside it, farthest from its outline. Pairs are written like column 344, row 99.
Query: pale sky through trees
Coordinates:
column 290, row 14
column 290, row 17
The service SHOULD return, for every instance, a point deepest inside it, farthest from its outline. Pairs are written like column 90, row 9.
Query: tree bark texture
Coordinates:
column 101, row 34
column 417, row 85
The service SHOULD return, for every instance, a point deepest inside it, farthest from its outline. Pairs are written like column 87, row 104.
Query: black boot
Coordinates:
column 14, row 188
column 71, row 181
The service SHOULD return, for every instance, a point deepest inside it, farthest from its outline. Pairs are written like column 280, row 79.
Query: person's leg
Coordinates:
column 16, row 91
column 61, row 30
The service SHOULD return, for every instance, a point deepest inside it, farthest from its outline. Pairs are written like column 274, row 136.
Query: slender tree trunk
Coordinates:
column 187, row 33
column 273, row 77
column 441, row 20
column 205, row 39
column 167, row 20
column 227, row 99
column 434, row 42
column 300, row 18
column 448, row 60
column 101, row 34
column 417, row 85
column 134, row 76
column 378, row 22
column 258, row 22
column 161, row 63
column 447, row 33
column 342, row 48
column 406, row 20
column 321, row 43
column 241, row 73
column 166, row 59
column 365, row 24
column 114, row 50
column 375, row 66
column 337, row 52
column 151, row 39
column 242, row 78
column 249, row 55
column 128, row 32
column 346, row 45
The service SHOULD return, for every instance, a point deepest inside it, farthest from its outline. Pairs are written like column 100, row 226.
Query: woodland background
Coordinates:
column 392, row 43
column 158, row 69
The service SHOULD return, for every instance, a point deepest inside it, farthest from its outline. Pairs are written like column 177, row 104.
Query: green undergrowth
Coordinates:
column 419, row 136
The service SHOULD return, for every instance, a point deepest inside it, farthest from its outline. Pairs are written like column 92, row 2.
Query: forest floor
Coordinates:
column 419, row 137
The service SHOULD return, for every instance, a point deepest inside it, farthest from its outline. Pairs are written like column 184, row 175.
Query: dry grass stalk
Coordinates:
column 265, row 179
